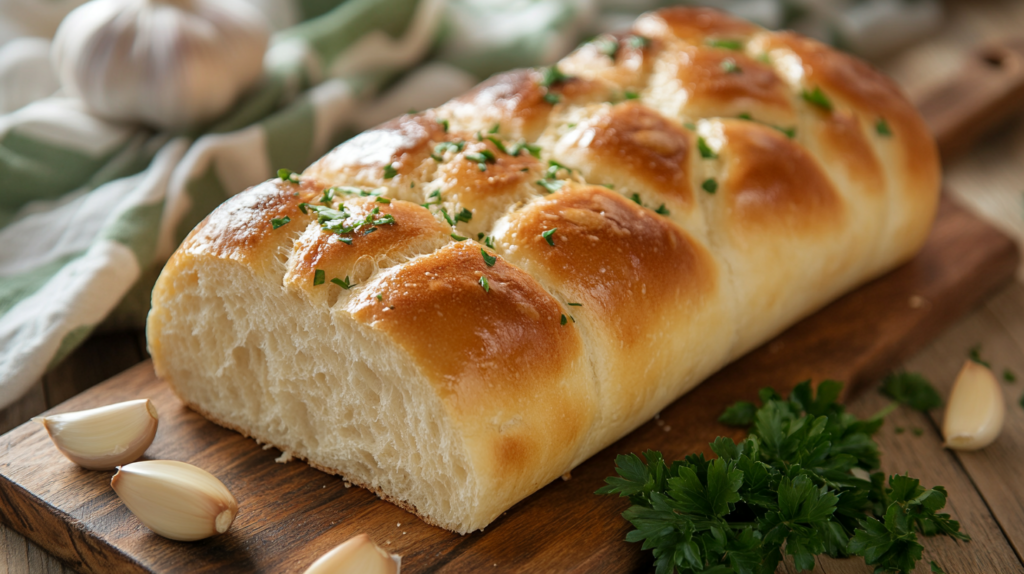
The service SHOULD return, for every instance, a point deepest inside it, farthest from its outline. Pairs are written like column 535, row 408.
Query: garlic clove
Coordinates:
column 105, row 437
column 357, row 555
column 975, row 410
column 176, row 500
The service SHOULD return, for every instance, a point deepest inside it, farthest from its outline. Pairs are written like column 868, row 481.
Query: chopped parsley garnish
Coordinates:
column 489, row 241
column 288, row 175
column 705, row 151
column 745, row 116
column 551, row 76
column 564, row 320
column 690, row 126
column 817, row 98
column 1009, row 376
column 328, row 196
column 494, row 129
column 379, row 297
column 662, row 210
column 303, row 208
column 448, row 218
column 488, row 259
column 918, row 431
column 764, row 58
column 552, row 98
column 500, row 145
column 974, row 354
column 636, row 198
column 553, row 167
column 339, row 221
column 345, row 240
column 730, row 66
column 390, row 171
column 726, row 44
column 882, row 127
column 638, row 42
column 444, row 124
column 790, row 132
column 631, row 95
column 280, row 221
column 382, row 200
column 482, row 158
column 464, row 216
column 519, row 146
column 458, row 237
column 575, row 304
column 318, row 277
column 551, row 185
column 710, row 185
column 547, row 236
column 911, row 389
column 343, row 283
column 607, row 46
column 788, row 488
column 485, row 284
column 608, row 185
column 443, row 147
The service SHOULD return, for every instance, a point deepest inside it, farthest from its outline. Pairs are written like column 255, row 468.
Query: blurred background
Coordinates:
column 124, row 122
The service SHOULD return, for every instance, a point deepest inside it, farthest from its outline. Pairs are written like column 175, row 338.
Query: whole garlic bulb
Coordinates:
column 172, row 64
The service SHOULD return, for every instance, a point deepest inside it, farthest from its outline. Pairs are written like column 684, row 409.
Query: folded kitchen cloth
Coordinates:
column 91, row 209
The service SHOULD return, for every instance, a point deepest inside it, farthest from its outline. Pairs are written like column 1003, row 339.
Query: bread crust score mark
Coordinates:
column 557, row 255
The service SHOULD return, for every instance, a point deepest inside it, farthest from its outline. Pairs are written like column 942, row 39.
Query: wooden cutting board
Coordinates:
column 290, row 514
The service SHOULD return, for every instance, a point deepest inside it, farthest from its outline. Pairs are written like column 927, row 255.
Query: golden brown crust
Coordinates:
column 622, row 60
column 772, row 183
column 728, row 83
column 693, row 25
column 629, row 144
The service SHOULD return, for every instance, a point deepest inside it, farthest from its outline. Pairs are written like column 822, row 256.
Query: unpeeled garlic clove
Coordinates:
column 176, row 500
column 357, row 555
column 105, row 437
column 975, row 409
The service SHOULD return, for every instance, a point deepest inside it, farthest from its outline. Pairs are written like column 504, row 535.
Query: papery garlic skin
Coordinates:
column 171, row 64
column 105, row 437
column 975, row 410
column 176, row 500
column 357, row 555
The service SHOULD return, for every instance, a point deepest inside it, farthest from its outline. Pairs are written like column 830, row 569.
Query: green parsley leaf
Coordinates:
column 817, row 98
column 690, row 126
column 382, row 200
column 551, row 76
column 379, row 297
column 551, row 185
column 918, row 431
column 390, row 171
column 1008, row 376
column 911, row 389
column 726, row 44
column 638, row 42
column 343, row 283
column 465, row 215
column 288, row 175
column 485, row 284
column 763, row 58
column 631, row 95
column 564, row 320
column 547, row 236
column 278, row 222
column 882, row 127
column 494, row 129
column 636, row 198
column 318, row 277
column 1022, row 401
column 482, row 156
column 444, row 124
column 488, row 259
column 974, row 354
column 936, row 569
column 458, row 237
column 447, row 217
column 500, row 145
column 575, row 304
column 552, row 99
column 710, row 185
column 730, row 66
column 739, row 414
column 662, row 210
column 607, row 46
column 788, row 487
column 489, row 241
column 705, row 151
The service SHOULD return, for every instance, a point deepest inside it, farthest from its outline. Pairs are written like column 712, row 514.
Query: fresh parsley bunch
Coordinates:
column 793, row 485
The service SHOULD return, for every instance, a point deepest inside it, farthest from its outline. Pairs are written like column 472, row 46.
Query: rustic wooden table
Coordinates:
column 986, row 489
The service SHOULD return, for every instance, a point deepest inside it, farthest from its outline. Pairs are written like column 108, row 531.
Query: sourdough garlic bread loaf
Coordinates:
column 461, row 305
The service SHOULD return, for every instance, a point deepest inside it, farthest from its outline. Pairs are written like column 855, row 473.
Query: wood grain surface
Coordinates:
column 290, row 514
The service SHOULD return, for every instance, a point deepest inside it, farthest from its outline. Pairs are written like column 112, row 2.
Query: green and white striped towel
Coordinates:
column 91, row 209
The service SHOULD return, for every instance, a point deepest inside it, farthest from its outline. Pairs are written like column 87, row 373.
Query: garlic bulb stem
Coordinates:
column 176, row 500
column 105, row 437
column 975, row 410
